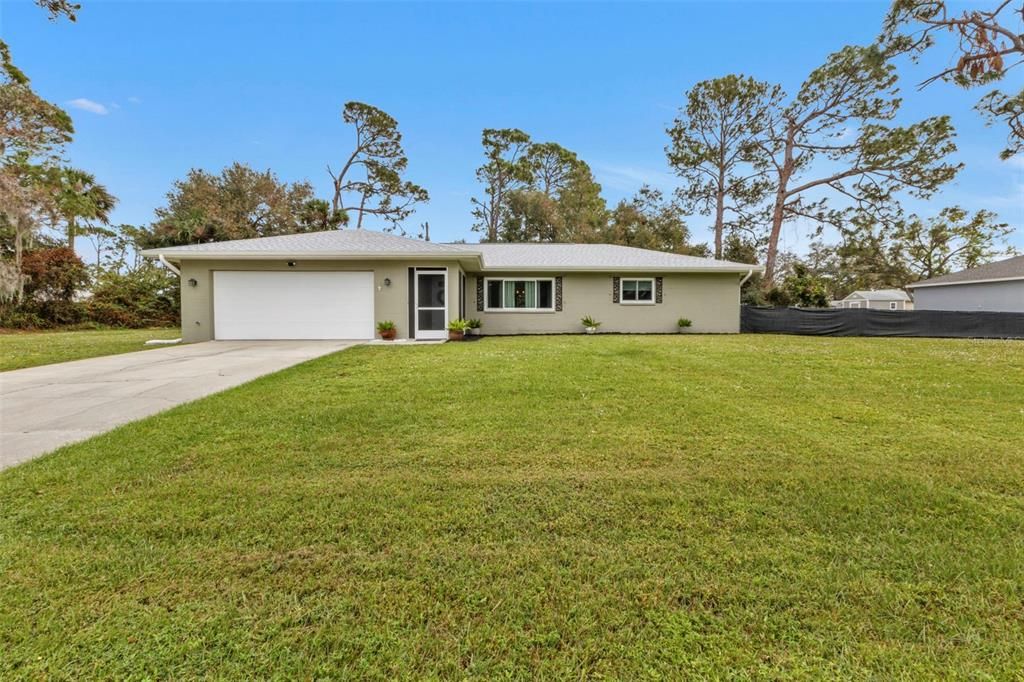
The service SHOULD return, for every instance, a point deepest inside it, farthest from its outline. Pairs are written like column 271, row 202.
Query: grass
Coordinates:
column 30, row 349
column 561, row 507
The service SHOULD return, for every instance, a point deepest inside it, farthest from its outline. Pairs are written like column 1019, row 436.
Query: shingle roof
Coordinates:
column 595, row 257
column 331, row 242
column 1011, row 268
column 882, row 295
column 505, row 257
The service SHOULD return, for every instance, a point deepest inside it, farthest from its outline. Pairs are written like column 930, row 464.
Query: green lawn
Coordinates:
column 29, row 349
column 559, row 507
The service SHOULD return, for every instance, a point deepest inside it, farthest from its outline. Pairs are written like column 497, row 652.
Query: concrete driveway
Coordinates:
column 42, row 408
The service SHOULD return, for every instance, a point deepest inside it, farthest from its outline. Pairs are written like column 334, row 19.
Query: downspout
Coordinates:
column 743, row 281
column 177, row 272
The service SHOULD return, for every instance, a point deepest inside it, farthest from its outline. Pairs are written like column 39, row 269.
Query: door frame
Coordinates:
column 429, row 333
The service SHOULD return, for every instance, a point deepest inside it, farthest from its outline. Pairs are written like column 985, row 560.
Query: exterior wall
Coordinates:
column 711, row 301
column 390, row 302
column 1006, row 297
column 874, row 305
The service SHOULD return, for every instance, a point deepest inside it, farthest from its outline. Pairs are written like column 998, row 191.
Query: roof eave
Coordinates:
column 306, row 255
column 734, row 270
column 926, row 283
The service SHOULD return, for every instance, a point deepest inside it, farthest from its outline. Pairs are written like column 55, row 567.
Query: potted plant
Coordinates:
column 473, row 327
column 387, row 330
column 590, row 325
column 457, row 330
column 683, row 324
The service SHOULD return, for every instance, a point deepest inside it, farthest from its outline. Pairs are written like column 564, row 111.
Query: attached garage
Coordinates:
column 292, row 305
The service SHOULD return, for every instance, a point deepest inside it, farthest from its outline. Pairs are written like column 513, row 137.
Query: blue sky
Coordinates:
column 201, row 84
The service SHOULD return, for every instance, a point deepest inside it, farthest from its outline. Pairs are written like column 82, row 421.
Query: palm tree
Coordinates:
column 80, row 197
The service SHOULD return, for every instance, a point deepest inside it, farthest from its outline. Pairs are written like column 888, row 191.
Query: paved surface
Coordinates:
column 43, row 408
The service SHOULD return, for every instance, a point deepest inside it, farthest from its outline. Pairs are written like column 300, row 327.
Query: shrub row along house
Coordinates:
column 338, row 284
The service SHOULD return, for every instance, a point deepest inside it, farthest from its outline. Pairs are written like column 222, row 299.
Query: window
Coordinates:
column 527, row 295
column 637, row 291
column 892, row 305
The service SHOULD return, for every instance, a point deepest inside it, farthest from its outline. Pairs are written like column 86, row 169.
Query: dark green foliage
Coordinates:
column 803, row 289
column 650, row 221
column 147, row 296
column 239, row 203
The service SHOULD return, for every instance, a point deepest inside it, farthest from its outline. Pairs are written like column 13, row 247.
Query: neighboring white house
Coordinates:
column 881, row 299
column 995, row 287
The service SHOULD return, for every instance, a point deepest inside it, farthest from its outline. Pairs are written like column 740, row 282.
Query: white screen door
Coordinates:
column 431, row 303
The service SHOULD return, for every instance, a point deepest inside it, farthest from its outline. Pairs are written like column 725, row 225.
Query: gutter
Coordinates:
column 168, row 265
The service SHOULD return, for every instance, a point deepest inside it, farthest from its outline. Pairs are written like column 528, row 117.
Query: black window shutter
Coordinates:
column 558, row 294
column 412, row 303
column 615, row 289
column 657, row 289
column 479, row 293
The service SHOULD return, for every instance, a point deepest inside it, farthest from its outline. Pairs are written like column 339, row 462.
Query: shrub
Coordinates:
column 589, row 321
column 145, row 297
column 385, row 326
column 683, row 323
column 458, row 325
column 53, row 278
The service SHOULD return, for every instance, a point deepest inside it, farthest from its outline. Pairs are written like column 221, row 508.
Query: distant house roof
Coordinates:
column 1009, row 269
column 368, row 244
column 880, row 295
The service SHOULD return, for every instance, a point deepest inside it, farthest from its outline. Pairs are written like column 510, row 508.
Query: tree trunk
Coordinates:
column 362, row 204
column 719, row 218
column 779, row 210
column 71, row 233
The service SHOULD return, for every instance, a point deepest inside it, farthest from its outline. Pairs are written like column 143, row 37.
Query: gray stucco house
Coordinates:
column 996, row 287
column 339, row 284
column 877, row 299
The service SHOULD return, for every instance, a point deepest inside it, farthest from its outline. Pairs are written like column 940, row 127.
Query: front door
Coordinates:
column 431, row 298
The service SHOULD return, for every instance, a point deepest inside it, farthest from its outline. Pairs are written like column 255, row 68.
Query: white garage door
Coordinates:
column 293, row 305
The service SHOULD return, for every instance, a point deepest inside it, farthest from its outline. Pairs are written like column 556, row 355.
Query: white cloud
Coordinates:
column 630, row 178
column 135, row 100
column 90, row 106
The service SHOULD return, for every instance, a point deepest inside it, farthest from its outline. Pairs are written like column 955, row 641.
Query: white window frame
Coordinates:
column 622, row 288
column 487, row 303
column 853, row 304
column 892, row 305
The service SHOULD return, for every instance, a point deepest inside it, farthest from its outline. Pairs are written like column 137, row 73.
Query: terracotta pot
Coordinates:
column 455, row 336
column 388, row 334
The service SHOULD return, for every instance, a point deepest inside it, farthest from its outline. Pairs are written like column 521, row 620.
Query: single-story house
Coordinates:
column 338, row 284
column 995, row 287
column 879, row 299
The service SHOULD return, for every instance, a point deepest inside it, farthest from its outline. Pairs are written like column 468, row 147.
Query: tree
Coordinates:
column 804, row 289
column 33, row 133
column 582, row 210
column 651, row 222
column 79, row 197
column 988, row 43
column 839, row 114
column 713, row 150
column 551, row 167
column 240, row 203
column 952, row 240
column 372, row 173
column 57, row 8
column 507, row 168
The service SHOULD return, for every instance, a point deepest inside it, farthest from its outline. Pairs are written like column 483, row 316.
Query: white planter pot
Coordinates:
column 590, row 330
